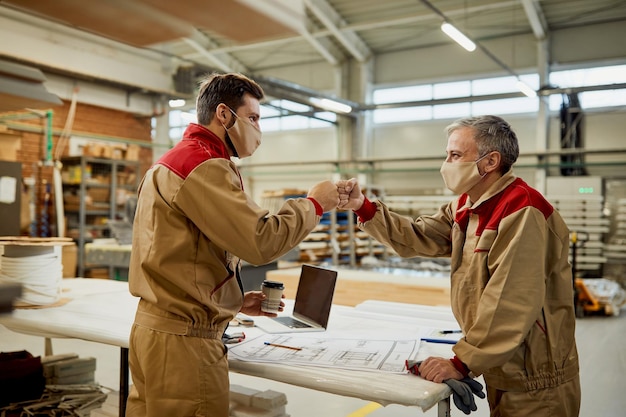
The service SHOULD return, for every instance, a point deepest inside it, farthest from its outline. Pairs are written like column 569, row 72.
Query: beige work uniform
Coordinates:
column 193, row 224
column 511, row 292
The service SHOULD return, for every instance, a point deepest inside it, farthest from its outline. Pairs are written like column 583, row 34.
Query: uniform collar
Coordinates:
column 502, row 182
column 465, row 208
column 209, row 139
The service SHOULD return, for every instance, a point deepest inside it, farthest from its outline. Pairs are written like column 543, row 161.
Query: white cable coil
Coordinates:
column 39, row 275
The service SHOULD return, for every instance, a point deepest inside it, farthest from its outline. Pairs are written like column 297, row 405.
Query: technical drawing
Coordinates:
column 375, row 355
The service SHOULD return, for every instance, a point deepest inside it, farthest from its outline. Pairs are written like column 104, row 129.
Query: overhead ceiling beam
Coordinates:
column 333, row 22
column 427, row 17
column 212, row 51
column 536, row 18
column 287, row 13
column 22, row 86
column 63, row 49
column 317, row 45
column 381, row 23
column 222, row 60
column 291, row 13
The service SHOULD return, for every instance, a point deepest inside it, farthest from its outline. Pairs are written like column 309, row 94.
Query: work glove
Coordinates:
column 463, row 392
column 412, row 366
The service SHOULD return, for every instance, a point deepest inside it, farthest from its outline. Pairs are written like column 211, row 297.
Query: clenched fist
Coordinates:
column 350, row 195
column 326, row 194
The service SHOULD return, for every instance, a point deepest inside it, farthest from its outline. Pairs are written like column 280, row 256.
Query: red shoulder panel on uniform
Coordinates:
column 198, row 145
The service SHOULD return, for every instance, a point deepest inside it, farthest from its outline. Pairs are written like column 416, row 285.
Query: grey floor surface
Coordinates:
column 601, row 344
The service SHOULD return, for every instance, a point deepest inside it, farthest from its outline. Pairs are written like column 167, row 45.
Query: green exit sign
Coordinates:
column 585, row 190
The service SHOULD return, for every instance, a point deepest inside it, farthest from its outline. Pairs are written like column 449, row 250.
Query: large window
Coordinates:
column 493, row 86
column 283, row 115
column 275, row 115
column 178, row 121
column 403, row 94
column 590, row 77
column 279, row 115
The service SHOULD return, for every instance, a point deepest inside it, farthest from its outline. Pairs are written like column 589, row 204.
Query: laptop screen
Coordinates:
column 315, row 294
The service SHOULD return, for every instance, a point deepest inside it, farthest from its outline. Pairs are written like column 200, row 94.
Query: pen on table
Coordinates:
column 283, row 346
column 445, row 341
column 450, row 331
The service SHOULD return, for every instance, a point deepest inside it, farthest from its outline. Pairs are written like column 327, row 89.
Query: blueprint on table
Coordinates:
column 359, row 354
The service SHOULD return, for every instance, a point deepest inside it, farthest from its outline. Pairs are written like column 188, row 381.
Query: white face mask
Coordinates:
column 460, row 177
column 244, row 136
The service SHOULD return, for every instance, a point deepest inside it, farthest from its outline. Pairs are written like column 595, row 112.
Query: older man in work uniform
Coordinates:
column 511, row 283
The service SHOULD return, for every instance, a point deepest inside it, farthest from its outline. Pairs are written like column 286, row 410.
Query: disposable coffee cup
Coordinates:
column 273, row 291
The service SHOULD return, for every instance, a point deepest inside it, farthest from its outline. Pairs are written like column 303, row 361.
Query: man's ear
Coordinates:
column 494, row 160
column 222, row 114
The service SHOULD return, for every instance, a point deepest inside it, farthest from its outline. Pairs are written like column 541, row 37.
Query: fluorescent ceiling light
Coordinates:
column 177, row 103
column 524, row 88
column 458, row 37
column 332, row 105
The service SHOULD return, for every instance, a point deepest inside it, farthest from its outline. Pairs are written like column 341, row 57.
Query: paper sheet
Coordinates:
column 8, row 190
column 450, row 336
column 361, row 354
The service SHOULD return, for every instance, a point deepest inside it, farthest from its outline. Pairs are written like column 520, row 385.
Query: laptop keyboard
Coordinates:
column 291, row 322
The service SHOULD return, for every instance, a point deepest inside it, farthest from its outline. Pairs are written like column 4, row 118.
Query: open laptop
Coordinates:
column 314, row 298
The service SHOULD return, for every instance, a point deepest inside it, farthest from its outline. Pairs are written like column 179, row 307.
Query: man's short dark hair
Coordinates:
column 224, row 88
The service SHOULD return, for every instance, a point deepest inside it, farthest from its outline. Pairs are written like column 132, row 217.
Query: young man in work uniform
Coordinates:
column 193, row 224
column 511, row 283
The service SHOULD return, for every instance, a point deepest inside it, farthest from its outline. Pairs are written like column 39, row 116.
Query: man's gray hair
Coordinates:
column 491, row 133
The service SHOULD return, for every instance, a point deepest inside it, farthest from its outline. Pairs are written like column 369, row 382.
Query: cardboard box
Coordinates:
column 102, row 273
column 92, row 149
column 98, row 150
column 101, row 195
column 69, row 259
column 106, row 152
column 132, row 152
column 9, row 145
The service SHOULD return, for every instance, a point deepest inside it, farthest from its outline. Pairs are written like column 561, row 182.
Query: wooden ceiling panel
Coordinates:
column 230, row 19
column 128, row 21
column 148, row 22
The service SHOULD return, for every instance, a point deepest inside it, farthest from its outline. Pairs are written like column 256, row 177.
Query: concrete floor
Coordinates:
column 601, row 344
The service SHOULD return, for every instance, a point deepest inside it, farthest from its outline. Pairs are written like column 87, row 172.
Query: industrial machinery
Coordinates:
column 594, row 295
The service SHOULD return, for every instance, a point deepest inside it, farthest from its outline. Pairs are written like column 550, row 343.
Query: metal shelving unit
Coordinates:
column 92, row 190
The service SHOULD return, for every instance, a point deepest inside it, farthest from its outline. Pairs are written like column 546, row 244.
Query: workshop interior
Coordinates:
column 92, row 94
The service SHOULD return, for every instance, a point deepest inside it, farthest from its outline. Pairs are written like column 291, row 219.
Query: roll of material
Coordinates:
column 37, row 267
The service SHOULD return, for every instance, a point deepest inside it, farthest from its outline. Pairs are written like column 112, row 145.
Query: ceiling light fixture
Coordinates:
column 177, row 102
column 331, row 105
column 458, row 36
column 449, row 29
column 526, row 89
column 470, row 45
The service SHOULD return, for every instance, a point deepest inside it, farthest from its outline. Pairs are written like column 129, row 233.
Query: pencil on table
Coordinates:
column 283, row 346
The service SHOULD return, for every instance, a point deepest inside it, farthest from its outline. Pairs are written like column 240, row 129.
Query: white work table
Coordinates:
column 103, row 311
